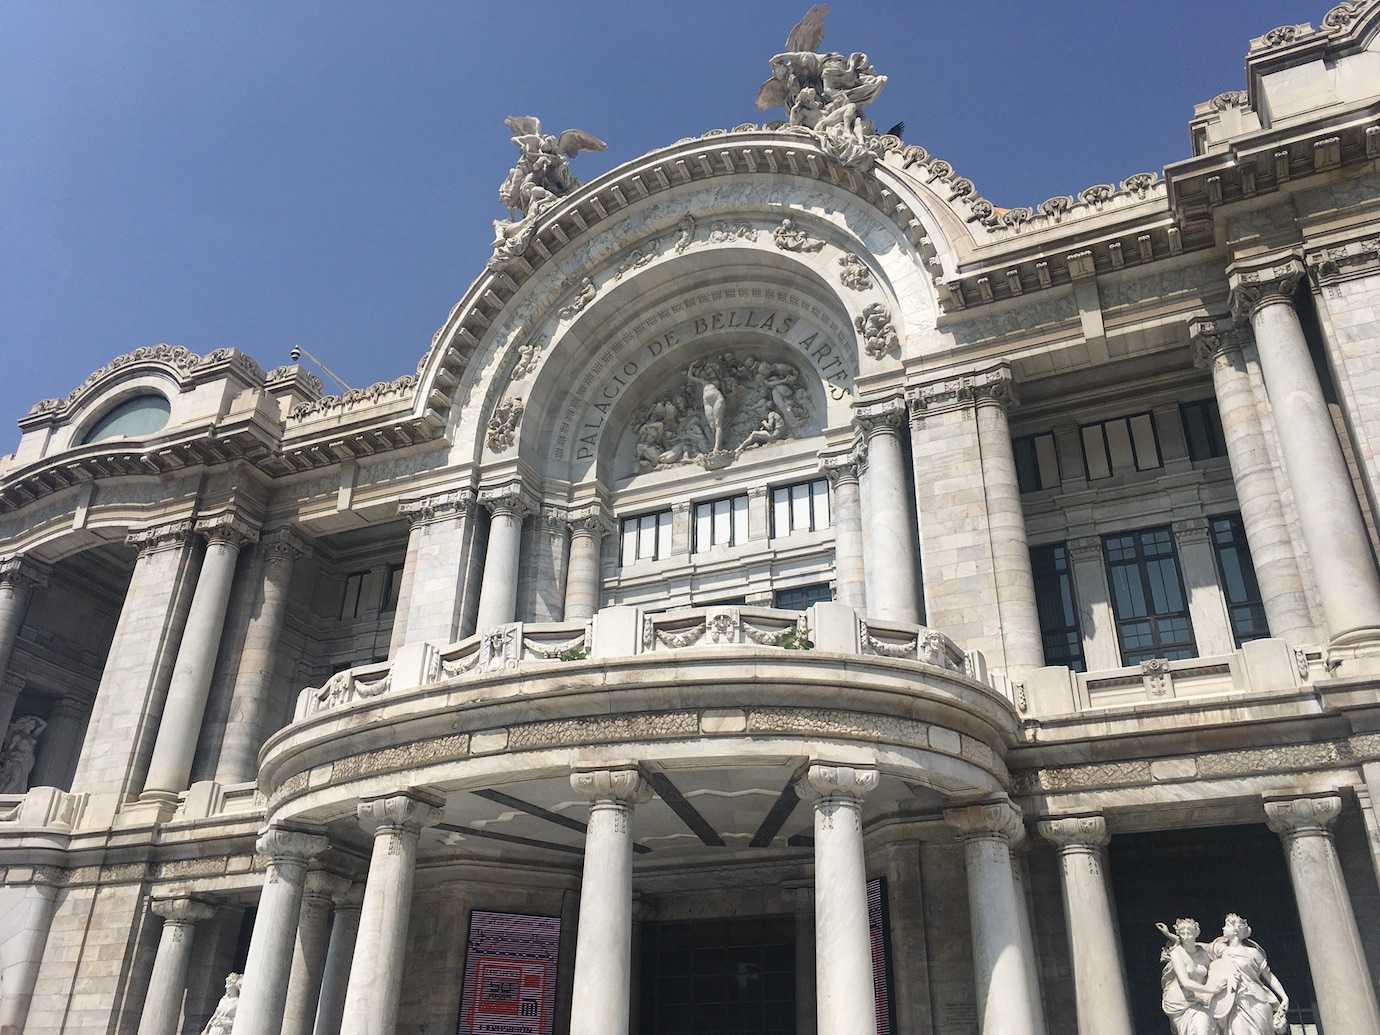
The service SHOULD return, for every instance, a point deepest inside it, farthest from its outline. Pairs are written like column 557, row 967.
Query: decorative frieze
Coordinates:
column 988, row 386
column 1344, row 261
column 458, row 503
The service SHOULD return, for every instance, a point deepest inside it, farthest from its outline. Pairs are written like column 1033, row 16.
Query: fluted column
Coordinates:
column 1329, row 514
column 19, row 577
column 376, row 973
column 550, row 565
column 1000, row 964
column 171, row 765
column 1099, row 977
column 498, row 591
column 603, row 948
column 1219, row 346
column 57, row 754
column 1336, row 958
column 309, row 952
column 846, row 512
column 264, row 989
column 584, row 579
column 335, row 977
column 251, row 700
column 168, row 983
column 889, row 550
column 845, row 997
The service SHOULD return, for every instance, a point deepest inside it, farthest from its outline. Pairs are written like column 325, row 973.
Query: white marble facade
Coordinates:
column 772, row 514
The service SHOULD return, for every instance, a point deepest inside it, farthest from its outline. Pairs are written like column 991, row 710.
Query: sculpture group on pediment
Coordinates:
column 19, row 753
column 1225, row 988
column 540, row 176
column 724, row 405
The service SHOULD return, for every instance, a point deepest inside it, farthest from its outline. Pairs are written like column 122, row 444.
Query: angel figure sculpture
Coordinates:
column 542, row 172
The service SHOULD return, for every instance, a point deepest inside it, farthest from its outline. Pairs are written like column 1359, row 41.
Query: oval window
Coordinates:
column 133, row 418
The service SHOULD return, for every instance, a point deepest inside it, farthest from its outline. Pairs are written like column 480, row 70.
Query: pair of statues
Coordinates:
column 1225, row 988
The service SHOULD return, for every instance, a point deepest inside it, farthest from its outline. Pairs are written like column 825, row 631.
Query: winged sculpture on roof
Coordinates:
column 823, row 91
column 540, row 176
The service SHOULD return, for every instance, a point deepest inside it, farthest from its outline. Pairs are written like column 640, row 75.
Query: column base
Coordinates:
column 1354, row 652
column 152, row 807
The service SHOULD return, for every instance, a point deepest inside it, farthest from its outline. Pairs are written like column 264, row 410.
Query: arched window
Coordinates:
column 133, row 418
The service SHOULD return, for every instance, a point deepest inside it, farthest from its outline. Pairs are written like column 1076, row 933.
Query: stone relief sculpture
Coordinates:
column 542, row 174
column 584, row 295
column 222, row 1022
column 726, row 404
column 529, row 355
column 503, row 425
column 824, row 92
column 789, row 237
column 17, row 758
column 879, row 334
column 1225, row 988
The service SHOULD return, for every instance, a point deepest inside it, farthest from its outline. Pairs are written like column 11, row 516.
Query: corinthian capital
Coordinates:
column 999, row 819
column 842, row 467
column 593, row 522
column 994, row 385
column 1254, row 288
column 1215, row 338
column 1295, row 816
column 828, row 780
column 879, row 418
column 624, row 786
column 509, row 500
column 166, row 536
column 456, row 503
column 229, row 528
column 1075, row 831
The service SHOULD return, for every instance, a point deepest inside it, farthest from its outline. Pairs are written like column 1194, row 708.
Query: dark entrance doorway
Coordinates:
column 719, row 977
column 1205, row 874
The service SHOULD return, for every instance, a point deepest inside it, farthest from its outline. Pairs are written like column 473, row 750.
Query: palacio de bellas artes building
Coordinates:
column 792, row 595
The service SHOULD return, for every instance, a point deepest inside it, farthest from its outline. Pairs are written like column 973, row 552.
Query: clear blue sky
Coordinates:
column 261, row 174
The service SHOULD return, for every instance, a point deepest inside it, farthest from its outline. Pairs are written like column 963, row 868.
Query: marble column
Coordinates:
column 251, row 699
column 264, row 990
column 846, row 513
column 19, row 577
column 1019, row 873
column 335, row 975
column 603, row 948
column 1218, row 345
column 57, row 753
column 584, row 578
column 1341, row 978
column 1101, row 648
column 180, row 725
column 309, row 953
column 1011, row 571
column 1099, row 976
column 889, row 549
column 1329, row 515
column 1000, row 963
column 845, row 996
column 168, row 983
column 375, row 986
column 1207, row 603
column 28, row 910
column 498, row 591
column 550, row 565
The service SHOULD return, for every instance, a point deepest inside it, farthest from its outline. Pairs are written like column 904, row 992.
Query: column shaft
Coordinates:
column 375, row 986
column 1338, row 546
column 1336, row 957
column 549, row 566
column 57, row 754
column 1207, row 603
column 846, row 513
column 18, row 577
column 168, row 983
column 180, row 725
column 28, row 911
column 1101, row 649
column 888, row 545
column 584, row 579
column 498, row 591
column 309, row 953
column 335, row 975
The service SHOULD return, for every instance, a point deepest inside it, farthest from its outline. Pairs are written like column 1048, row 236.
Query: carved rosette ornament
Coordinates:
column 1254, row 289
column 503, row 425
column 987, row 821
column 878, row 332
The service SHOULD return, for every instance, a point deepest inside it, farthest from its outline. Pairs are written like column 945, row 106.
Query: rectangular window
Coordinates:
column 1120, row 445
column 1237, row 572
column 801, row 597
column 1148, row 596
column 647, row 537
column 803, row 507
column 1037, row 462
column 1203, row 429
column 721, row 523
column 349, row 602
column 1057, row 606
column 392, row 587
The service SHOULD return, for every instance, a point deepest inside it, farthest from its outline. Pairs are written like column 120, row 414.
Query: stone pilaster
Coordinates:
column 1099, row 977
column 846, row 511
column 19, row 577
column 435, row 594
column 603, row 951
column 550, row 563
column 1336, row 957
column 1097, row 620
column 375, row 985
column 168, row 984
column 802, row 896
column 335, row 976
column 1335, row 534
column 889, row 549
column 1001, row 966
column 507, row 508
column 584, row 579
column 844, row 992
column 1218, row 346
column 1207, row 603
column 309, row 952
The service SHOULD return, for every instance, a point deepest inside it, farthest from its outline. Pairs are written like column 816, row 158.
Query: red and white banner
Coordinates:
column 510, row 974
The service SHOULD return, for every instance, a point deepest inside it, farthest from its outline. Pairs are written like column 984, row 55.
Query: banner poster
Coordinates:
column 510, row 974
column 881, row 952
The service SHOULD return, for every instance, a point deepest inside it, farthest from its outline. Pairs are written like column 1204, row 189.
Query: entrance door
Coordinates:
column 719, row 977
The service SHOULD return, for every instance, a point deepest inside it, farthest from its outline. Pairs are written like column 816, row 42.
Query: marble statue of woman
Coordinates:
column 1186, row 996
column 715, row 405
column 222, row 1022
column 18, row 754
column 1248, row 999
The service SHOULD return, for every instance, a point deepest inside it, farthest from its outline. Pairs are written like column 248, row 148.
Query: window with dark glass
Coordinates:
column 350, row 600
column 1203, row 429
column 803, row 507
column 1148, row 596
column 1121, row 445
column 1237, row 573
column 798, row 598
column 1037, row 462
column 646, row 537
column 392, row 588
column 1058, row 609
column 721, row 523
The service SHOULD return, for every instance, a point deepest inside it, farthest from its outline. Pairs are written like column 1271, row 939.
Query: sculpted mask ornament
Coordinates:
column 1225, row 988
column 503, row 425
column 727, row 404
column 542, row 174
column 879, row 334
column 824, row 93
